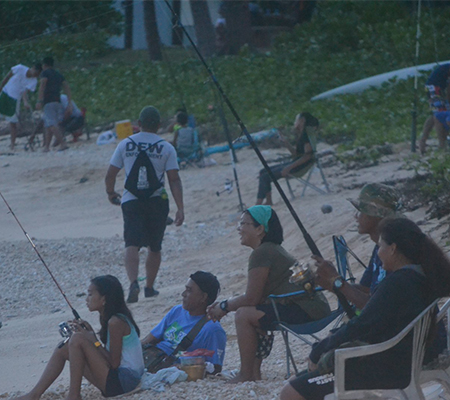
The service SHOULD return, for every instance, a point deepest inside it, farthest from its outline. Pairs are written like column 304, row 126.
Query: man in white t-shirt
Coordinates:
column 14, row 86
column 145, row 220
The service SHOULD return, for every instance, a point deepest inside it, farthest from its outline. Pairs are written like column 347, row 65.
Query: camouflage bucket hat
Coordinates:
column 377, row 200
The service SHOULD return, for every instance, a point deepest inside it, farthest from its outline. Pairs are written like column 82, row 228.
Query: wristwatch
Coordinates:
column 338, row 283
column 224, row 305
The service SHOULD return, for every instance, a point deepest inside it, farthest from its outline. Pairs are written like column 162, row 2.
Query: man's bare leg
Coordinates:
column 48, row 134
column 13, row 130
column 132, row 267
column 59, row 138
column 132, row 262
column 152, row 265
column 427, row 128
column 441, row 134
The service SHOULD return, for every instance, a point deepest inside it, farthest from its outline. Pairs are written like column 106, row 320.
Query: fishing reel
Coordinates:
column 228, row 187
column 302, row 275
column 65, row 331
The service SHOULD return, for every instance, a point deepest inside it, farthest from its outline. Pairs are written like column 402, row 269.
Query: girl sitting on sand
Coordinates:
column 116, row 366
column 419, row 273
column 268, row 273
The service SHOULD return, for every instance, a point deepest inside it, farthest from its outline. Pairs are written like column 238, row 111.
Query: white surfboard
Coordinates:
column 378, row 80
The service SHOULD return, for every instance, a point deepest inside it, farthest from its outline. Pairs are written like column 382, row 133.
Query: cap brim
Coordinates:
column 355, row 203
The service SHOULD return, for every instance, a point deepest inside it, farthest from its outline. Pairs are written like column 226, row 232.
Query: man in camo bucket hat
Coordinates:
column 375, row 202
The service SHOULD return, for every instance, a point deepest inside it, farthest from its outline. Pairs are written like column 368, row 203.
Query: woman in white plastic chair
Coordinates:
column 268, row 273
column 302, row 156
column 116, row 366
column 419, row 273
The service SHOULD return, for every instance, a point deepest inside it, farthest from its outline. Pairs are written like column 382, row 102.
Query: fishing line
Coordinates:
column 233, row 158
column 350, row 251
column 75, row 313
column 309, row 241
column 222, row 118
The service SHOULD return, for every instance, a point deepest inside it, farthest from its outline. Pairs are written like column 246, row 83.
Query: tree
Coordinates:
column 204, row 30
column 237, row 16
column 128, row 5
column 22, row 19
column 151, row 31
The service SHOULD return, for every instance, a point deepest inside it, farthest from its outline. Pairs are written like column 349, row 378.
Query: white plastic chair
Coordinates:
column 420, row 327
column 440, row 375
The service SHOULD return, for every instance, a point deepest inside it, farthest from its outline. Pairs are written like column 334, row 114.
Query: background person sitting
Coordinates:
column 73, row 121
column 184, row 136
column 302, row 156
column 268, row 273
column 201, row 290
column 419, row 273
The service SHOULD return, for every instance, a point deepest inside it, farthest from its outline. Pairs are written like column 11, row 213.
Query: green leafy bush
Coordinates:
column 345, row 41
column 69, row 49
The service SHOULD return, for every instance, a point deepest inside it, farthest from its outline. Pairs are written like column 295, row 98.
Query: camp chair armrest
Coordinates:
column 280, row 296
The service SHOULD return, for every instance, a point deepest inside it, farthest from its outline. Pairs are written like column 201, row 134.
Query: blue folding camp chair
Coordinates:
column 311, row 328
column 193, row 156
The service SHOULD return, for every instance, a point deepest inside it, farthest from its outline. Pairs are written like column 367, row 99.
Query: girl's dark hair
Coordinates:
column 110, row 287
column 182, row 118
column 275, row 233
column 420, row 249
column 310, row 120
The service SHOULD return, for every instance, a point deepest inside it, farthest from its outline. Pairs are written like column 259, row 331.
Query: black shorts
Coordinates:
column 113, row 385
column 313, row 385
column 145, row 222
column 360, row 373
column 289, row 313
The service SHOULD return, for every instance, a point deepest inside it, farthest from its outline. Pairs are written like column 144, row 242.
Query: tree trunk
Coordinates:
column 151, row 31
column 204, row 30
column 237, row 16
column 128, row 4
column 177, row 31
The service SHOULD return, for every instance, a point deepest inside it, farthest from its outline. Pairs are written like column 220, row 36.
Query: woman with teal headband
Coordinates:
column 268, row 273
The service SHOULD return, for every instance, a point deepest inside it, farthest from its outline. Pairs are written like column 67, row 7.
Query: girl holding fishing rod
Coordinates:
column 114, row 365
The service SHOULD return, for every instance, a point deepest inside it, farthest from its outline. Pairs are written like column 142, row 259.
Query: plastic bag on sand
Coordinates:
column 161, row 378
column 106, row 138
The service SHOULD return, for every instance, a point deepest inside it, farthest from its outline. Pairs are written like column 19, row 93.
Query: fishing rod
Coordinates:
column 309, row 241
column 74, row 312
column 222, row 118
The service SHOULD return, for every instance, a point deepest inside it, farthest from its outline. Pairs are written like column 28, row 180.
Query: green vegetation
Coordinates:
column 345, row 41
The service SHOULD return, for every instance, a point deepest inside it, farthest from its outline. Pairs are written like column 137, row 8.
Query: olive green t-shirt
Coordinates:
column 278, row 260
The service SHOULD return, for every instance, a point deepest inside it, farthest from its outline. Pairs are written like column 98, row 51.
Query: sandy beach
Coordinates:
column 59, row 198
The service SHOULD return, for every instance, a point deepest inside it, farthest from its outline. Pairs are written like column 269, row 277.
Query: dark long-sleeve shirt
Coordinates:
column 400, row 297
